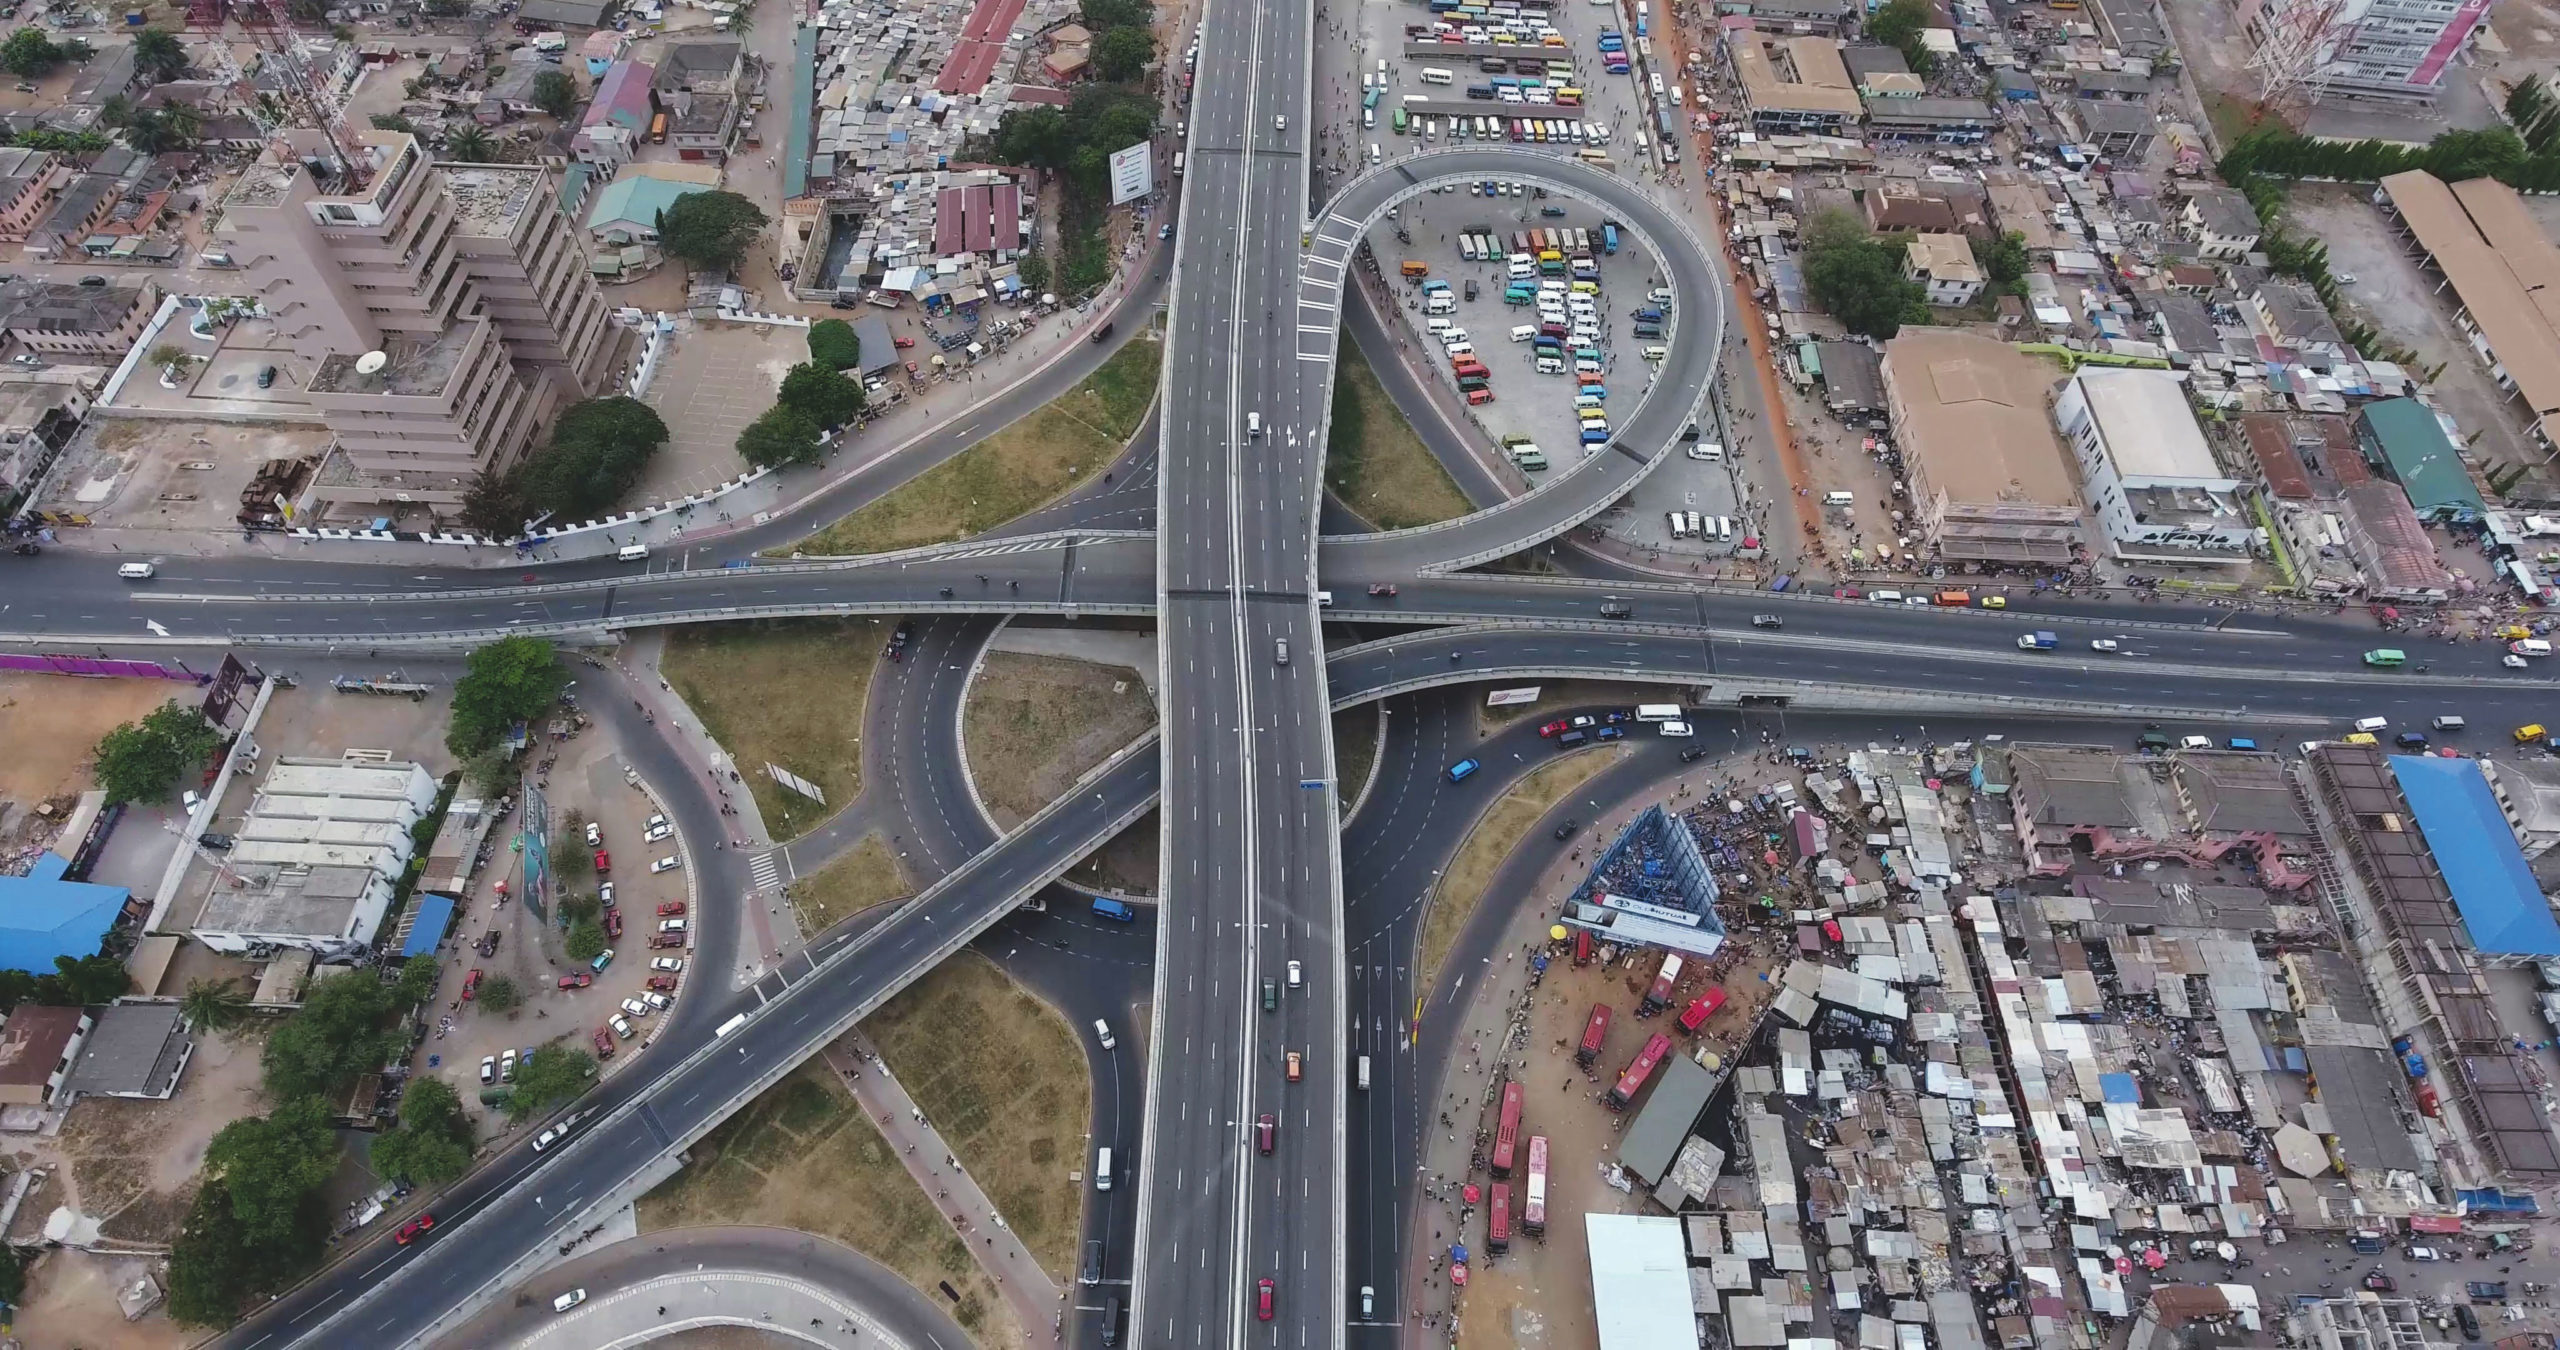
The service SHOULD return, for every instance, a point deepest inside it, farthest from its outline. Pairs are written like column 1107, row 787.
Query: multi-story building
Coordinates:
column 2154, row 483
column 1988, row 478
column 465, row 279
column 1943, row 263
column 97, row 323
column 2397, row 50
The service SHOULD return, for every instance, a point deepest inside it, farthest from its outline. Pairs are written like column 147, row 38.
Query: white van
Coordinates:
column 1656, row 353
column 1658, row 712
column 1253, row 427
column 1435, row 75
column 2370, row 724
column 137, row 571
column 1839, row 499
column 2530, row 647
column 1102, row 1169
column 1550, row 365
column 1679, row 523
column 1102, row 1032
column 1376, row 156
column 631, row 553
column 1364, row 1073
column 1524, row 332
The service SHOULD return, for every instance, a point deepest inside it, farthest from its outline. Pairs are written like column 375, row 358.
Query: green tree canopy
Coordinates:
column 783, row 436
column 709, row 230
column 556, row 1073
column 585, row 941
column 555, row 93
column 509, row 681
column 417, row 981
column 29, row 53
column 597, row 452
column 832, row 344
column 344, row 1027
column 1858, row 279
column 468, row 144
column 1102, row 15
column 1077, row 142
column 213, row 1005
column 432, row 1143
column 1122, row 54
column 1898, row 24
column 145, row 761
column 79, row 982
column 821, row 395
column 274, row 1166
column 158, row 56
column 498, row 994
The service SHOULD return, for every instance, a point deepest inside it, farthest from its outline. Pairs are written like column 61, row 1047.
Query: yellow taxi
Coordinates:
column 1994, row 602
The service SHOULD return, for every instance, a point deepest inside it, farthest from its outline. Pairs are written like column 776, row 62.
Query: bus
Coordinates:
column 2386, row 657
column 1436, row 75
column 1659, row 996
column 658, row 129
column 1700, row 1009
column 1660, row 712
column 1633, row 1080
column 1533, row 1214
column 1506, row 1132
column 1497, row 1219
column 1594, row 1032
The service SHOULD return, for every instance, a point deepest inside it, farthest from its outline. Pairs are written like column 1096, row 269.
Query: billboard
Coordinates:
column 1133, row 172
column 1506, row 698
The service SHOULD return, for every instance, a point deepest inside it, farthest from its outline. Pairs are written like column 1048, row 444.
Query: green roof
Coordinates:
column 636, row 200
column 2421, row 457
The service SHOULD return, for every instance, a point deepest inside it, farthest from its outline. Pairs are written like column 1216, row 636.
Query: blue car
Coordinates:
column 2243, row 743
column 1459, row 771
column 1612, row 733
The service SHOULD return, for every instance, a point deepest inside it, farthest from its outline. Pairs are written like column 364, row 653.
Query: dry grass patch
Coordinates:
column 1036, row 724
column 1127, row 864
column 788, row 692
column 867, row 876
column 1355, row 750
column 1003, row 1078
column 1498, row 831
column 1373, row 459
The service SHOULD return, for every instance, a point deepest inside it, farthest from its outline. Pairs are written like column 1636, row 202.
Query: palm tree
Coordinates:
column 469, row 145
column 213, row 1005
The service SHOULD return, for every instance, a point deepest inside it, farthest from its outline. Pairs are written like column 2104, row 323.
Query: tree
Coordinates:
column 142, row 762
column 1858, row 279
column 833, row 344
column 495, row 504
column 158, row 56
column 1122, row 54
column 498, row 994
column 555, row 93
column 821, row 395
column 509, row 681
column 555, row 1073
column 783, row 436
column 273, row 1166
column 468, row 144
column 28, row 53
column 2003, row 260
column 344, row 1028
column 160, row 130
column 174, row 359
column 1899, row 25
column 80, row 982
column 417, row 983
column 583, row 905
column 213, row 1005
column 1036, row 137
column 394, row 122
column 585, row 941
column 597, row 452
column 1100, row 15
column 210, row 1273
column 571, row 864
column 1033, row 268
column 433, row 1141
column 709, row 230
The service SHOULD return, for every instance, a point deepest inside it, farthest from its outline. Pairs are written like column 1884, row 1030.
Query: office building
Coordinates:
column 2153, row 481
column 1988, row 479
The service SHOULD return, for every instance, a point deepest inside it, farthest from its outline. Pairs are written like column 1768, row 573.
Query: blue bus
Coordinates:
column 1114, row 910
column 1609, row 236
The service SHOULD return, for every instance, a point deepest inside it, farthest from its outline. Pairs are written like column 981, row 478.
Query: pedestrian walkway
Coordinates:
column 766, row 870
column 1034, row 1297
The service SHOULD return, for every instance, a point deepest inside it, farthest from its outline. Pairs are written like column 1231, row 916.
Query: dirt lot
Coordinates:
column 1035, row 724
column 867, row 876
column 135, row 473
column 1126, row 865
column 802, row 1156
column 788, row 693
column 1002, row 1077
column 51, row 722
column 1491, row 839
column 71, row 1303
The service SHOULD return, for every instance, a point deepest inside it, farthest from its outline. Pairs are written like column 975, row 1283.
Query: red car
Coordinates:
column 578, row 980
column 613, row 923
column 604, row 1044
column 1262, row 1308
column 1382, row 588
column 657, row 940
column 414, row 1229
column 1264, row 1131
column 1557, row 727
column 904, row 342
column 664, row 984
column 604, row 862
column 671, row 907
column 471, row 985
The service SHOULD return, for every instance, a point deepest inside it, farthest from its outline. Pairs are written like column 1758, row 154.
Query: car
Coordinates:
column 1297, row 975
column 1692, row 755
column 2423, row 1254
column 471, row 985
column 1557, row 727
column 604, row 1043
column 660, row 941
column 655, row 833
column 2343, row 278
column 1264, row 1130
column 2381, row 1283
column 1551, row 212
column 267, row 378
column 604, row 862
column 1584, row 721
column 1383, row 589
column 1994, row 602
column 604, row 892
column 665, row 864
column 1617, row 716
column 1102, row 334
column 576, row 979
column 595, row 835
column 1092, row 1271
column 670, row 925
column 670, row 964
column 1296, row 1065
column 612, row 922
column 553, row 1135
column 902, row 344
column 2102, row 644
column 1567, row 829
column 1462, row 770
column 634, row 1007
column 425, row 1223
column 665, row 984
column 488, row 1068
column 568, row 1300
column 2470, row 1321
column 1262, row 1300
column 1676, row 728
column 1165, row 231
column 1767, row 621
column 621, row 1025
column 1270, row 996
column 657, row 1000
column 671, row 907
column 603, row 958
column 93, row 280
column 1610, row 734
column 1279, row 123
column 507, row 1065
column 2513, row 662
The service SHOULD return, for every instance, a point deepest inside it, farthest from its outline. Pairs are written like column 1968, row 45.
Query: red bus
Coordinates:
column 1533, row 1215
column 1582, row 946
column 1700, row 1009
column 1593, row 1032
column 1506, row 1134
column 1633, row 1080
column 1659, row 996
column 1497, row 1219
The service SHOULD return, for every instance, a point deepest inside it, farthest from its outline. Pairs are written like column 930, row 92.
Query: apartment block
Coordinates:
column 28, row 181
column 465, row 278
column 2392, row 50
column 59, row 319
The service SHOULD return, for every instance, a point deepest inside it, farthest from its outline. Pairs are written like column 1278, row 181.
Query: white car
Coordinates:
column 653, row 822
column 1297, row 974
column 2513, row 662
column 507, row 1066
column 620, row 1027
column 552, row 1136
column 665, row 864
column 2102, row 644
column 635, row 1007
column 1279, row 123
column 595, row 835
column 604, row 892
column 656, row 1000
column 670, row 964
column 568, row 1300
column 670, row 925
column 1677, row 729
column 488, row 1068
column 656, row 833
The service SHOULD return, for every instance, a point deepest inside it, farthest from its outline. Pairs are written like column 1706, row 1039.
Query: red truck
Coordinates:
column 1700, row 1009
column 1659, row 996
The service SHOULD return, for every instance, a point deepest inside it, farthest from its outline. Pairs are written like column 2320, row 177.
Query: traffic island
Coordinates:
column 788, row 692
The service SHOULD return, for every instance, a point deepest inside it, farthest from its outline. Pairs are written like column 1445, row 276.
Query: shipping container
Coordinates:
column 1582, row 946
column 1594, row 1032
column 1506, row 1131
column 1633, row 1080
column 1533, row 1214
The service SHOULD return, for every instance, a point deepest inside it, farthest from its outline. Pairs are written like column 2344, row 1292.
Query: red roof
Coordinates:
column 2272, row 442
column 977, row 219
column 981, row 44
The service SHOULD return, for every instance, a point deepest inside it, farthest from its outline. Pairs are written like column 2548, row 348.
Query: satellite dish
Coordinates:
column 370, row 362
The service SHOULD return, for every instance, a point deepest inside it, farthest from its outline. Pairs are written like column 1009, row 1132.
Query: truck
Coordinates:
column 1659, row 996
column 2041, row 640
column 1115, row 910
column 1639, row 1072
column 1533, row 1213
column 1594, row 1032
column 1506, row 1130
column 1497, row 1218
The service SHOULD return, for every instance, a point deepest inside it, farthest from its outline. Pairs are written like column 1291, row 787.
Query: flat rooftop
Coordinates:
column 416, row 369
column 490, row 198
column 1974, row 409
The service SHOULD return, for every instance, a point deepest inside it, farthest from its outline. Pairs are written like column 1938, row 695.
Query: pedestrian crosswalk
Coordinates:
column 765, row 872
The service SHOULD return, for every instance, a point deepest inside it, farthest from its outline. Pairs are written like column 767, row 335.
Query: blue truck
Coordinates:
column 2042, row 640
column 1114, row 910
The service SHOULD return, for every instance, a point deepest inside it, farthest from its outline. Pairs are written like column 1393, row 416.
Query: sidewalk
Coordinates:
column 1033, row 1295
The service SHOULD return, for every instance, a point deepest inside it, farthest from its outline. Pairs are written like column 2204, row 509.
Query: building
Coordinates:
column 1943, row 264
column 564, row 13
column 28, row 181
column 37, row 1045
column 96, row 323
column 2390, row 544
column 617, row 117
column 2132, row 27
column 1987, row 476
column 1792, row 85
column 316, row 861
column 983, row 218
column 1819, row 18
column 2154, row 483
column 2404, row 439
column 2221, row 221
column 76, row 211
column 1640, row 1282
column 2118, row 130
column 2528, row 794
column 2477, row 854
column 2499, row 263
column 1940, row 121
column 627, row 210
column 2292, row 314
column 1878, row 71
column 1852, row 375
column 697, row 86
column 43, row 915
column 466, row 279
column 132, row 1050
column 111, row 74
column 2397, row 51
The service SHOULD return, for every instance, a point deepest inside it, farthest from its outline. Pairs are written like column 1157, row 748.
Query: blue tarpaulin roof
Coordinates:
column 435, row 914
column 43, row 916
column 2501, row 907
column 2119, row 1087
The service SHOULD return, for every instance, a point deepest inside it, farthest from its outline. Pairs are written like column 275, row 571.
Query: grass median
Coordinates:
column 1373, row 459
column 1355, row 751
column 1012, row 473
column 867, row 876
column 789, row 692
column 1035, row 724
column 1495, row 834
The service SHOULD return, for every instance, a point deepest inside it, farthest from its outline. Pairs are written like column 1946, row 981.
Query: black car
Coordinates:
column 267, row 378
column 1092, row 1263
column 1692, row 755
column 1566, row 830
column 1102, row 333
column 93, row 281
column 2470, row 1321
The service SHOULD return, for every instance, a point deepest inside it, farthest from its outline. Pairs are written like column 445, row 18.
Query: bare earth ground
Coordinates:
column 1126, row 865
column 868, row 875
column 790, row 693
column 1035, row 724
column 50, row 723
column 71, row 1304
column 1002, row 1077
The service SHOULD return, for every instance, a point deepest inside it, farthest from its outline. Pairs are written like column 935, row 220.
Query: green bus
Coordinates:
column 2386, row 657
column 1400, row 121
